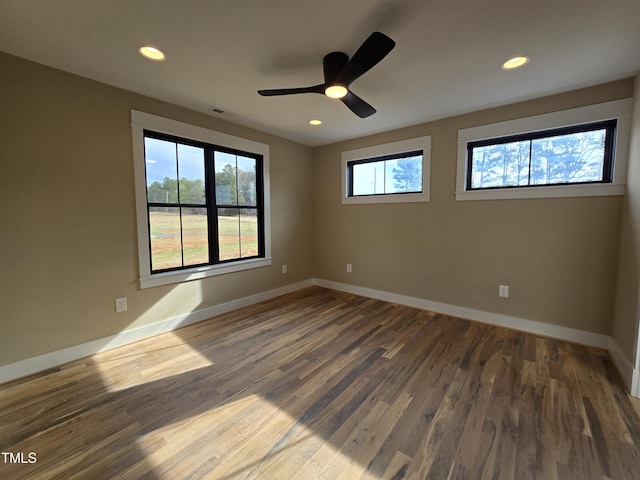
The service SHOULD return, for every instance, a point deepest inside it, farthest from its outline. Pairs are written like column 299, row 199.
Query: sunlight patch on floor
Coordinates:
column 146, row 366
column 250, row 438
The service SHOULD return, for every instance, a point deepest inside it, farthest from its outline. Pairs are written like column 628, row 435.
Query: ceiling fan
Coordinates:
column 340, row 72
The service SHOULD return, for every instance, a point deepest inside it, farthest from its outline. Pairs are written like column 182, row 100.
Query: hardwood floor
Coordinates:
column 320, row 384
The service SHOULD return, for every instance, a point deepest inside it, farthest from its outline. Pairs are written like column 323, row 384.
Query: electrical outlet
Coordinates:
column 349, row 268
column 284, row 269
column 121, row 304
column 503, row 291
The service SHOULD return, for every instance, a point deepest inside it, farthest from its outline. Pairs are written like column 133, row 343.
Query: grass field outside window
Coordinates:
column 238, row 238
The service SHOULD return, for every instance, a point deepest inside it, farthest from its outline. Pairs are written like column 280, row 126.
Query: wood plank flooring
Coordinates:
column 320, row 384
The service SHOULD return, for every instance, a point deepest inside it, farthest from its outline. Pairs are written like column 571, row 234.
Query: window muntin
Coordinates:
column 388, row 175
column 564, row 156
column 204, row 203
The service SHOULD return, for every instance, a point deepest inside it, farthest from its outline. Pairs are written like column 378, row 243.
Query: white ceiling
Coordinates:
column 219, row 52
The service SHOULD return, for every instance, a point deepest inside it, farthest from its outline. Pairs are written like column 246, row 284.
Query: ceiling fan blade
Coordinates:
column 357, row 105
column 370, row 53
column 292, row 91
column 333, row 63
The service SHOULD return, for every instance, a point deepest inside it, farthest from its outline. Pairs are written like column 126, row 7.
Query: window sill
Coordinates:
column 552, row 191
column 398, row 198
column 167, row 278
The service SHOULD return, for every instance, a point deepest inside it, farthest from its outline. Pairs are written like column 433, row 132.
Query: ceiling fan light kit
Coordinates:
column 336, row 91
column 340, row 72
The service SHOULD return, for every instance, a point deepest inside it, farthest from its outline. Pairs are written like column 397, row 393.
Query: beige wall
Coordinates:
column 627, row 306
column 68, row 243
column 559, row 256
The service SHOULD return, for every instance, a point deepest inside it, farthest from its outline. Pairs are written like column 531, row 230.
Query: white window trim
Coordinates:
column 141, row 121
column 617, row 109
column 419, row 143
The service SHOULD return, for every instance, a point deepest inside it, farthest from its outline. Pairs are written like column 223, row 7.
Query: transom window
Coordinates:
column 396, row 172
column 203, row 203
column 579, row 152
column 391, row 174
column 572, row 155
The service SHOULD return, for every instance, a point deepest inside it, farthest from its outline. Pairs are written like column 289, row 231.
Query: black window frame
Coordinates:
column 383, row 158
column 610, row 126
column 211, row 204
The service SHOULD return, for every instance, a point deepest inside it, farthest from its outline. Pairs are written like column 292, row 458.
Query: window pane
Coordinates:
column 502, row 165
column 195, row 236
column 573, row 158
column 229, row 233
column 248, row 232
column 161, row 168
column 404, row 175
column 166, row 248
column 225, row 168
column 191, row 170
column 246, row 181
column 368, row 178
column 567, row 155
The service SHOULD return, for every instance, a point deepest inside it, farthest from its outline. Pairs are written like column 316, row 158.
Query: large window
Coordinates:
column 202, row 206
column 203, row 203
column 569, row 153
column 389, row 173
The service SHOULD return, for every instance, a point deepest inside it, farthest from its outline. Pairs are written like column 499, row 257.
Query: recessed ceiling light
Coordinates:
column 515, row 62
column 151, row 53
column 315, row 122
column 335, row 91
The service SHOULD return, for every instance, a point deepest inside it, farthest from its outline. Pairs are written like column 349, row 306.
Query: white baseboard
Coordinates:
column 625, row 367
column 29, row 366
column 630, row 375
column 540, row 328
column 32, row 365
